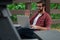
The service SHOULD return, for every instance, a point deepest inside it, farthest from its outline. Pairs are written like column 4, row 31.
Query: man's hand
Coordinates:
column 38, row 27
column 35, row 27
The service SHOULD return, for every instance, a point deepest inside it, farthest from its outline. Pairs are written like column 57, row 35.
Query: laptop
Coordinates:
column 23, row 21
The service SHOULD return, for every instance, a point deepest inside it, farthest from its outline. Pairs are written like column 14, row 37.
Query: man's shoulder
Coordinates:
column 47, row 14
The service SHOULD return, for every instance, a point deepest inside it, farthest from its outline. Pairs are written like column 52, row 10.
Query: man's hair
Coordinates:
column 43, row 3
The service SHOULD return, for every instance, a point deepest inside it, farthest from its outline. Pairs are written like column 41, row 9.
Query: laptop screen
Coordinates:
column 23, row 21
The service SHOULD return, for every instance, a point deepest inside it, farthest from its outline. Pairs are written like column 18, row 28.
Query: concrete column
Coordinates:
column 48, row 6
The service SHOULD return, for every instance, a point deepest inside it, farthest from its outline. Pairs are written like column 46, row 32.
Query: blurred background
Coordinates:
column 52, row 7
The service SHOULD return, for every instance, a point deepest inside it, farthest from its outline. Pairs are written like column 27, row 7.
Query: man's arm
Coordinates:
column 39, row 27
column 48, row 21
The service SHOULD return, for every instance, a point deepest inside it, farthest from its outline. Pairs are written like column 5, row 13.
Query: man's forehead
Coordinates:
column 39, row 4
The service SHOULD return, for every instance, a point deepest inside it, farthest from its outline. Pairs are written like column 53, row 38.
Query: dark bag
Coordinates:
column 26, row 33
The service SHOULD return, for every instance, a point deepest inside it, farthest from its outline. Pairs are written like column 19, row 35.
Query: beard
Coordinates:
column 40, row 10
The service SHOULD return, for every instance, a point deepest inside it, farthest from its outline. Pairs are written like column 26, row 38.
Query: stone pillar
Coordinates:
column 48, row 6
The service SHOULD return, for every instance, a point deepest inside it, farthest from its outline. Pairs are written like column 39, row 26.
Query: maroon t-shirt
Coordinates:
column 43, row 21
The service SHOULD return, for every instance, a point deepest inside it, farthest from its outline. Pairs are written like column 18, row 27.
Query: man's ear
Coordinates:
column 44, row 7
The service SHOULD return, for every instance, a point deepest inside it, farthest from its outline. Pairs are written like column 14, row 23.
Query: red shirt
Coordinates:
column 43, row 21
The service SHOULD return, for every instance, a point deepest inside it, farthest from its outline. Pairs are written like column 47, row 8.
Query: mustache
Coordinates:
column 40, row 9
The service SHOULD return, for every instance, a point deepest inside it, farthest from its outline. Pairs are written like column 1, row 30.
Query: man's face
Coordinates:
column 39, row 7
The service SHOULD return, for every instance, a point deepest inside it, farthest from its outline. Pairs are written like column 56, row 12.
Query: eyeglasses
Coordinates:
column 39, row 6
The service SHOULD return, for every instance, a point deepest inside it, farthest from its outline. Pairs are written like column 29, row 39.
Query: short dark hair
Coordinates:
column 43, row 3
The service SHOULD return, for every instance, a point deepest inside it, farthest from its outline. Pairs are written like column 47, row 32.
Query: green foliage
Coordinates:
column 33, row 6
column 14, row 18
column 55, row 16
column 54, row 5
column 21, row 6
column 58, row 6
column 17, row 6
column 11, row 6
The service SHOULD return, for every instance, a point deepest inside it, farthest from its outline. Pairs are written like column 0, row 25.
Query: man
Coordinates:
column 41, row 20
column 27, row 12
